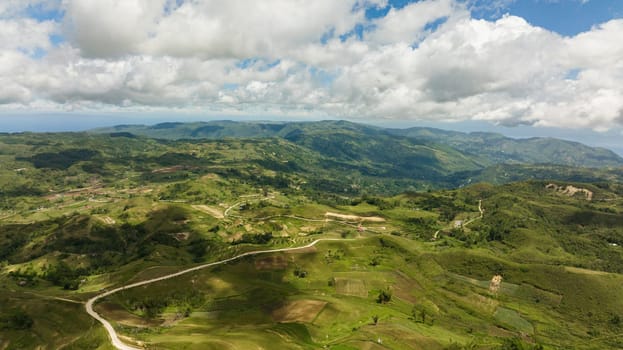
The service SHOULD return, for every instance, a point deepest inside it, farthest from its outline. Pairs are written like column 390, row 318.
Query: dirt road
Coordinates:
column 117, row 343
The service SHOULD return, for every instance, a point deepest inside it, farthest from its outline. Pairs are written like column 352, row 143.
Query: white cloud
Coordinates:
column 110, row 27
column 268, row 57
column 207, row 28
column 408, row 24
column 26, row 35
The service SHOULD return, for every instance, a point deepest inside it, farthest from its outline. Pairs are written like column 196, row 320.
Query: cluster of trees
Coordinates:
column 507, row 344
column 24, row 278
column 153, row 306
column 10, row 242
column 422, row 313
column 384, row 297
column 260, row 238
column 421, row 226
column 64, row 276
column 60, row 160
column 332, row 255
column 381, row 203
column 60, row 274
column 255, row 178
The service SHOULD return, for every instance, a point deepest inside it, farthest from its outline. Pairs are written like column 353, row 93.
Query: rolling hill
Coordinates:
column 413, row 243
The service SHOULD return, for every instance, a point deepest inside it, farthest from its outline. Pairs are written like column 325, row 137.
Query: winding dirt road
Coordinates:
column 117, row 343
column 482, row 213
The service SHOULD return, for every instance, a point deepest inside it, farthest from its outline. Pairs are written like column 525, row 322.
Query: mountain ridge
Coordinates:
column 485, row 147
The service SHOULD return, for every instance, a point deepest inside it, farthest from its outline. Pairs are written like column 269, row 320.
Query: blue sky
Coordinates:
column 523, row 67
column 567, row 17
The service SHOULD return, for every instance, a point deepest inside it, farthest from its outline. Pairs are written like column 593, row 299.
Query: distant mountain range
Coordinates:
column 342, row 139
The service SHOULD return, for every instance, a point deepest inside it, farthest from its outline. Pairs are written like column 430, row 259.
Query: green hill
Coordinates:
column 482, row 148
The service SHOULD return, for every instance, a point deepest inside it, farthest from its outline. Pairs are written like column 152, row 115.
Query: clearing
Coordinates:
column 107, row 220
column 353, row 287
column 209, row 210
column 570, row 190
column 353, row 217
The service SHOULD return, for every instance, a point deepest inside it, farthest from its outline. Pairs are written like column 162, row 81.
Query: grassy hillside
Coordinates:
column 83, row 213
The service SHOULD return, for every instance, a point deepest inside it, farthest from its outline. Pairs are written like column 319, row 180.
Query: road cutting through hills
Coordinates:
column 329, row 217
column 116, row 341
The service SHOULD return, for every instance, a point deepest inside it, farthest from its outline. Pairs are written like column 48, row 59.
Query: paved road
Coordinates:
column 117, row 343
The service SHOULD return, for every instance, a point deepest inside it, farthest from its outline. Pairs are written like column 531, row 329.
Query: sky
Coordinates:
column 529, row 67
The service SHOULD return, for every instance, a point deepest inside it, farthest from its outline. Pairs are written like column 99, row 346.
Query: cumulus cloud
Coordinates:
column 110, row 27
column 408, row 25
column 25, row 34
column 429, row 60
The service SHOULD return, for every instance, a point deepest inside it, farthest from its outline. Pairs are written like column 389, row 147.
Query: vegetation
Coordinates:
column 410, row 262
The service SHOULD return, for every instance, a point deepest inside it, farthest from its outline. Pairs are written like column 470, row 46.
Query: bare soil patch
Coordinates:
column 107, row 220
column 330, row 215
column 570, row 190
column 217, row 213
column 494, row 285
column 210, row 176
column 299, row 311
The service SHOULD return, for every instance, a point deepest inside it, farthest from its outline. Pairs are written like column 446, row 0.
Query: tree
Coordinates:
column 419, row 313
column 299, row 272
column 385, row 296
